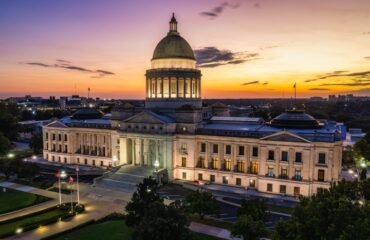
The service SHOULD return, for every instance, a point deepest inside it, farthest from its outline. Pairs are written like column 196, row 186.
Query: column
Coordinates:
column 123, row 151
column 146, row 152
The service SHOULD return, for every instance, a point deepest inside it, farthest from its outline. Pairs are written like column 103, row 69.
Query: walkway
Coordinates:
column 98, row 204
column 212, row 231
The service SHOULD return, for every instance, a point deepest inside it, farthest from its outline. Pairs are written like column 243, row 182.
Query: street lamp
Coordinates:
column 11, row 155
column 350, row 171
column 62, row 175
column 156, row 165
column 362, row 164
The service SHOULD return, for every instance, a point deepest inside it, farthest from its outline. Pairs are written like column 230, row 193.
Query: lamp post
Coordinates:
column 61, row 174
column 156, row 165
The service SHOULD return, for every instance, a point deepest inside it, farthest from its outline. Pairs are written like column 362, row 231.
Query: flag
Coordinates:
column 57, row 175
column 71, row 180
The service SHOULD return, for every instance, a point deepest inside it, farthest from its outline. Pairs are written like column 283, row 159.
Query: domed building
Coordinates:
column 175, row 135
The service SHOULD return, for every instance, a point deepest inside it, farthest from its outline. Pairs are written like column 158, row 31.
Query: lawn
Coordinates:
column 110, row 230
column 8, row 228
column 12, row 200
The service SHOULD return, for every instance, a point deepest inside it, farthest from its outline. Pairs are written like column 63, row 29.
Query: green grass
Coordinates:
column 12, row 200
column 39, row 218
column 110, row 230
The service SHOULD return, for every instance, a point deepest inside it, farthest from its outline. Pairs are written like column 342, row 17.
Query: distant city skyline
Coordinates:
column 245, row 48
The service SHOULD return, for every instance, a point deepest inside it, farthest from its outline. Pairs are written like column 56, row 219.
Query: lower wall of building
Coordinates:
column 251, row 181
column 78, row 159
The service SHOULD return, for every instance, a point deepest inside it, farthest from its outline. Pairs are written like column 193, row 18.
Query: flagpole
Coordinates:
column 71, row 182
column 60, row 193
column 78, row 187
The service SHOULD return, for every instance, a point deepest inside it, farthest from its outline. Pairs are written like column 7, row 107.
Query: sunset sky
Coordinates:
column 259, row 48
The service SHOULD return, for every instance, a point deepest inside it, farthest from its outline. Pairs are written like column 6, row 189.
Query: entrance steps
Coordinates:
column 125, row 178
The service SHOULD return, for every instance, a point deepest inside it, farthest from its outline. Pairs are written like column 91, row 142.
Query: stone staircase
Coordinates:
column 125, row 178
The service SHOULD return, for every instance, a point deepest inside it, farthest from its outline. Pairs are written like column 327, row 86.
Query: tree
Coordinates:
column 9, row 120
column 201, row 203
column 36, row 143
column 248, row 228
column 151, row 219
column 341, row 212
column 5, row 145
column 145, row 195
column 161, row 222
column 255, row 208
column 362, row 148
column 8, row 166
column 27, row 170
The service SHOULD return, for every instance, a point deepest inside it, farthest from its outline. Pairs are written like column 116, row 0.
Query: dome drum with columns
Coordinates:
column 173, row 80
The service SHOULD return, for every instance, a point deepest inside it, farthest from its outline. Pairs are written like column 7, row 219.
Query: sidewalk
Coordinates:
column 95, row 209
column 212, row 231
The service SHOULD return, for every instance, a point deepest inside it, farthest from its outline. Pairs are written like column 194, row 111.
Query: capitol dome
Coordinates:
column 173, row 51
column 173, row 46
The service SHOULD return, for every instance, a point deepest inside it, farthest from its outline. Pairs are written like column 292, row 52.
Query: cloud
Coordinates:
column 319, row 89
column 327, row 75
column 250, row 83
column 64, row 64
column 209, row 57
column 217, row 11
column 366, row 33
column 38, row 64
column 348, row 84
column 367, row 58
column 254, row 82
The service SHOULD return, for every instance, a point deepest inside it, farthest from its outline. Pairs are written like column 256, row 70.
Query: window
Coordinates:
column 203, row 147
column 297, row 174
column 78, row 160
column 60, row 137
column 183, row 162
column 254, row 168
column 252, row 183
column 59, row 159
column 47, row 136
column 270, row 172
column 200, row 176
column 101, row 163
column 241, row 150
column 269, row 187
column 52, row 158
column 214, row 163
column 183, row 175
column 238, row 181
column 240, row 166
column 271, row 155
column 283, row 189
column 47, row 146
column 227, row 165
column 65, row 137
column 298, row 157
column 118, row 141
column 228, row 149
column 53, row 136
column 284, row 173
column 321, row 175
column 225, row 180
column 284, row 156
column 297, row 191
column 322, row 158
column 183, row 146
column 65, row 160
column 202, row 162
column 85, row 161
column 93, row 163
column 215, row 148
column 212, row 178
column 255, row 151
column 65, row 148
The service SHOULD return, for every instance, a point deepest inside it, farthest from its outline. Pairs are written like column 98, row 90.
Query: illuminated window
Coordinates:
column 227, row 164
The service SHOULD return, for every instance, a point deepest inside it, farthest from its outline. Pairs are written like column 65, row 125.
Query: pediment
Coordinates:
column 285, row 137
column 147, row 117
column 57, row 124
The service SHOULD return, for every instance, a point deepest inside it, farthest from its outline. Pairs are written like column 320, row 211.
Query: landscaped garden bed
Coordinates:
column 37, row 219
column 11, row 200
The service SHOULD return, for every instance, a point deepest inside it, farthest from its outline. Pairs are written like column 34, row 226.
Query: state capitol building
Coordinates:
column 293, row 154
